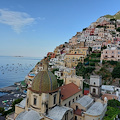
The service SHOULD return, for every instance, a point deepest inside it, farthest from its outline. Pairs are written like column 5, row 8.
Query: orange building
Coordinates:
column 51, row 55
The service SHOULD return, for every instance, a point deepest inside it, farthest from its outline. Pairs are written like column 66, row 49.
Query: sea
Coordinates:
column 14, row 69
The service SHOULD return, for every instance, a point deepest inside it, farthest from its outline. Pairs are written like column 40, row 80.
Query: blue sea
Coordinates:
column 14, row 69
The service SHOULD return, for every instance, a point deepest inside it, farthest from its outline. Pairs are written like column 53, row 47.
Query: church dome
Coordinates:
column 45, row 81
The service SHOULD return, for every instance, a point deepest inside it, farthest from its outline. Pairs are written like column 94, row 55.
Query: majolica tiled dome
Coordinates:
column 44, row 82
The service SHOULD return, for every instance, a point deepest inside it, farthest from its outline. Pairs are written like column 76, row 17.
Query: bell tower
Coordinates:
column 95, row 85
column 45, row 64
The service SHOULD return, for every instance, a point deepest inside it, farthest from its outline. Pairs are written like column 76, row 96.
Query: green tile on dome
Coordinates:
column 44, row 81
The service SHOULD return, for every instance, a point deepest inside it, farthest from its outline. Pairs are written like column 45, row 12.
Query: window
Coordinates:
column 79, row 95
column 94, row 83
column 76, row 98
column 94, row 90
column 65, row 105
column 69, row 103
column 75, row 117
column 76, row 107
column 73, row 100
column 66, row 116
column 35, row 100
column 54, row 99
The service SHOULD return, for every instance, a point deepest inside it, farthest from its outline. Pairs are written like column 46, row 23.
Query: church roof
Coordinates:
column 85, row 101
column 44, row 82
column 96, row 109
column 29, row 115
column 69, row 90
column 57, row 112
column 22, row 103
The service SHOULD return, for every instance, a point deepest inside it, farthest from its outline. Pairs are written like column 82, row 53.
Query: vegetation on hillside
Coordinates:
column 81, row 70
column 113, row 109
column 116, row 72
column 116, row 16
column 108, row 69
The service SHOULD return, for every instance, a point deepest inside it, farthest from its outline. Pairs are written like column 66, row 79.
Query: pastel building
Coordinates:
column 111, row 53
column 88, row 107
column 69, row 94
column 80, row 50
column 78, row 80
column 71, row 60
column 96, row 48
column 43, row 100
column 110, row 27
column 51, row 55
column 73, row 40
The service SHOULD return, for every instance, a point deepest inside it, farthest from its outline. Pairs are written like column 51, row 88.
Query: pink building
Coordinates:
column 111, row 53
column 116, row 40
column 106, row 43
column 73, row 40
column 104, row 23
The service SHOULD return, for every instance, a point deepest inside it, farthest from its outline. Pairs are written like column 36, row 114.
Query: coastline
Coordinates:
column 8, row 89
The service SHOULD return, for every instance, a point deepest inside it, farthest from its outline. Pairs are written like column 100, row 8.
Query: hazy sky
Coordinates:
column 35, row 27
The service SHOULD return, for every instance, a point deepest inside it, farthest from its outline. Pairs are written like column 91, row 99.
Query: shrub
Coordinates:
column 103, row 62
column 112, row 62
column 92, row 64
column 94, row 60
column 53, row 71
column 1, row 110
column 118, row 29
column 60, row 82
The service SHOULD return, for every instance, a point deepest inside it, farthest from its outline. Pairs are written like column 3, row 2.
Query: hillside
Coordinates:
column 116, row 16
column 108, row 69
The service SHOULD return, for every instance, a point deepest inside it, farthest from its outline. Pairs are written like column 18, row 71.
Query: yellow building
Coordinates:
column 69, row 94
column 71, row 60
column 110, row 27
column 57, row 50
column 78, row 80
column 43, row 100
column 90, row 107
column 69, row 71
column 81, row 50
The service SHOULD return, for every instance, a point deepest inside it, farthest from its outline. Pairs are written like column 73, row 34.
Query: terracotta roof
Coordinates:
column 78, row 112
column 69, row 90
column 109, row 96
column 86, row 92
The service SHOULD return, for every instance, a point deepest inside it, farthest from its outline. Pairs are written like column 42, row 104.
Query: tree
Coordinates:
column 116, row 72
column 112, row 109
column 90, row 49
column 53, row 71
column 16, row 102
column 84, row 29
column 1, row 110
column 104, row 47
column 118, row 29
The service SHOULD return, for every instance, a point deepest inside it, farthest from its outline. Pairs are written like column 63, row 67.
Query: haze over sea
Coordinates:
column 14, row 69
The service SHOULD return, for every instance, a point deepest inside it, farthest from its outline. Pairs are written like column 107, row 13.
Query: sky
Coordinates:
column 35, row 27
